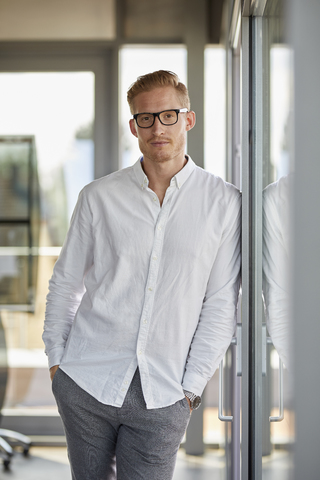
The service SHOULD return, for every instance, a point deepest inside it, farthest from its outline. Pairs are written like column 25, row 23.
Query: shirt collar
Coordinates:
column 182, row 176
column 140, row 175
column 179, row 179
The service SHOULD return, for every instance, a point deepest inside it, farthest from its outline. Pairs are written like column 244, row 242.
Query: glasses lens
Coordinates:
column 145, row 120
column 169, row 117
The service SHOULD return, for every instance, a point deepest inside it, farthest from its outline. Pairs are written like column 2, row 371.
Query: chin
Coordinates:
column 161, row 159
column 158, row 157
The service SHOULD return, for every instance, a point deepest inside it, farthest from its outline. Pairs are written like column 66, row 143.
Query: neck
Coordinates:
column 160, row 174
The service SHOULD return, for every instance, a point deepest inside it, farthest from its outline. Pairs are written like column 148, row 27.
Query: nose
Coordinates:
column 157, row 127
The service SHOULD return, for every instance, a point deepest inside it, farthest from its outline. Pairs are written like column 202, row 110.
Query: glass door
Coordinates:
column 267, row 422
column 277, row 183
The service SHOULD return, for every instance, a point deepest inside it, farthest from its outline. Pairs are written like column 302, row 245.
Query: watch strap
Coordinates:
column 195, row 400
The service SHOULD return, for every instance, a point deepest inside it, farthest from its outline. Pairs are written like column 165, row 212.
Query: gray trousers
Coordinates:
column 127, row 443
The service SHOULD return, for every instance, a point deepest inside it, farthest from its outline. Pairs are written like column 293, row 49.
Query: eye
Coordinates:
column 145, row 118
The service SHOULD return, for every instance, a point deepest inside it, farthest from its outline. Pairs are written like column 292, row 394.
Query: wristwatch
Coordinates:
column 195, row 400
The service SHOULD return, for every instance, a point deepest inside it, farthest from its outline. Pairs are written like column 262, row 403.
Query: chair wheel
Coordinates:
column 26, row 451
column 6, row 465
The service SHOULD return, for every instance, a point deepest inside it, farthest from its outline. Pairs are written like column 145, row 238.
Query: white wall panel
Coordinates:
column 57, row 20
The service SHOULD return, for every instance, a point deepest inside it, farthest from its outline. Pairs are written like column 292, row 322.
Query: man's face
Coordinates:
column 161, row 143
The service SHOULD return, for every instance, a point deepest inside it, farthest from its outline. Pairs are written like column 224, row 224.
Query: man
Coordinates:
column 141, row 304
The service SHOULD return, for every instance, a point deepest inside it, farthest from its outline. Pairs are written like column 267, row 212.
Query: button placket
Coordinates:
column 153, row 274
column 125, row 385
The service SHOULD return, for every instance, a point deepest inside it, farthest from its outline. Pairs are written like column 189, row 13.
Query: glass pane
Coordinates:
column 136, row 61
column 56, row 110
column 278, row 433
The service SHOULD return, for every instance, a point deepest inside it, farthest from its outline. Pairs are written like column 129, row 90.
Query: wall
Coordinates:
column 57, row 20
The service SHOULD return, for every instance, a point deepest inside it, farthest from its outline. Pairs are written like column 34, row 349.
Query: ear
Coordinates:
column 132, row 126
column 191, row 120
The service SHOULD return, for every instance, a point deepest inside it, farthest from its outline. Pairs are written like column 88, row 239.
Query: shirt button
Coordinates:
column 159, row 227
column 123, row 389
column 145, row 320
column 140, row 352
column 155, row 257
column 150, row 289
column 154, row 199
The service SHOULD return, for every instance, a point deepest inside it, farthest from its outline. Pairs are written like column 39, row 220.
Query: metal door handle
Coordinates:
column 223, row 418
column 280, row 417
column 235, row 341
column 268, row 341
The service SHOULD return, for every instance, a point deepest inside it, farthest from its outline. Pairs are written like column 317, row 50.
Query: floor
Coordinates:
column 278, row 466
column 51, row 463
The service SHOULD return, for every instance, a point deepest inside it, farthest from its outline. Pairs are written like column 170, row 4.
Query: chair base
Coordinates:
column 6, row 451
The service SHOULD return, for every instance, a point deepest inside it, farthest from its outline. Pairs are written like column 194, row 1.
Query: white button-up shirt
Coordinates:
column 277, row 252
column 143, row 285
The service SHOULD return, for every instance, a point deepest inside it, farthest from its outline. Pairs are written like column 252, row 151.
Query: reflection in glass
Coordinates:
column 280, row 110
column 277, row 203
column 276, row 261
column 277, row 248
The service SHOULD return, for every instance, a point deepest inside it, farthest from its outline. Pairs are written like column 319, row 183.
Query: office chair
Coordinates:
column 8, row 438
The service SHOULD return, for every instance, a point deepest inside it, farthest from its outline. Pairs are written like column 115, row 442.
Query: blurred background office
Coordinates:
column 253, row 73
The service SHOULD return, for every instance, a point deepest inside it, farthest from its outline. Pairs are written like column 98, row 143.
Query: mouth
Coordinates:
column 159, row 143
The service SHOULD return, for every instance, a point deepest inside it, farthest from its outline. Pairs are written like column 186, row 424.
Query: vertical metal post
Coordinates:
column 106, row 115
column 246, row 241
column 195, row 38
column 255, row 349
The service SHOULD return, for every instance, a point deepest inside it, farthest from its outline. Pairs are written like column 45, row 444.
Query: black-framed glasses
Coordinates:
column 166, row 117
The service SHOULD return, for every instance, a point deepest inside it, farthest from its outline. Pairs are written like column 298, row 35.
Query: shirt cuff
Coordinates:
column 55, row 356
column 192, row 382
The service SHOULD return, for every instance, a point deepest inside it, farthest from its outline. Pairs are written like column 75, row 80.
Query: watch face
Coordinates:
column 196, row 403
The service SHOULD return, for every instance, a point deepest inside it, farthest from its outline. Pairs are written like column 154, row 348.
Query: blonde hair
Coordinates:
column 161, row 78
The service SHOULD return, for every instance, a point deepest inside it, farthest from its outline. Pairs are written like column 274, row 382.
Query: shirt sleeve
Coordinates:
column 218, row 316
column 275, row 279
column 66, row 287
